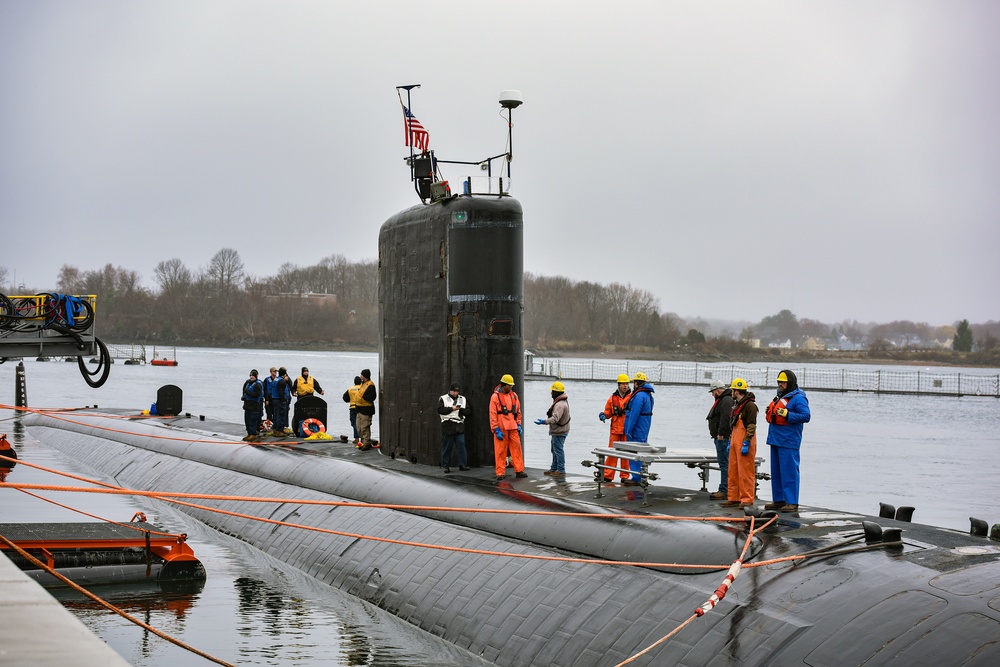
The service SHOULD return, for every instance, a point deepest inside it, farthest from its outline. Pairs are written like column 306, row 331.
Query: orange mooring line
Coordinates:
column 107, row 605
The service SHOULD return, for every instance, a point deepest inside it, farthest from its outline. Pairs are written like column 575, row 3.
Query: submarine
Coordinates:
column 537, row 571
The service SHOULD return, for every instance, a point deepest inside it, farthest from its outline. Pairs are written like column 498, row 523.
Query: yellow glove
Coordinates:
column 782, row 412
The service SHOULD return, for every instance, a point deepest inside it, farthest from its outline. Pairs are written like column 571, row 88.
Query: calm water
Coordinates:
column 941, row 455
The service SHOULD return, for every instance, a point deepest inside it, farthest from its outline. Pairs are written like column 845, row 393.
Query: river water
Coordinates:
column 940, row 455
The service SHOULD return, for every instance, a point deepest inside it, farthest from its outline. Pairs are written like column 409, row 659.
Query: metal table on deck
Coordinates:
column 647, row 454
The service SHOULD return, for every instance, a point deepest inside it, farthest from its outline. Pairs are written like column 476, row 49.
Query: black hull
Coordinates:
column 935, row 602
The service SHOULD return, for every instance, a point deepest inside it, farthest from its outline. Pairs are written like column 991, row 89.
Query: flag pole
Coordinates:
column 409, row 129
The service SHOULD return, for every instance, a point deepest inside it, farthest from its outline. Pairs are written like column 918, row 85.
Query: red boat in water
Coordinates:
column 163, row 359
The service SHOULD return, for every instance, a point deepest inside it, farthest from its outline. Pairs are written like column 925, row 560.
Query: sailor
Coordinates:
column 365, row 407
column 453, row 408
column 351, row 398
column 743, row 446
column 505, row 421
column 306, row 385
column 719, row 429
column 281, row 424
column 638, row 417
column 270, row 396
column 253, row 405
column 557, row 417
column 614, row 410
column 785, row 415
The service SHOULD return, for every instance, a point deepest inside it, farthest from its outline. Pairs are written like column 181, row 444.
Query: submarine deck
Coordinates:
column 809, row 527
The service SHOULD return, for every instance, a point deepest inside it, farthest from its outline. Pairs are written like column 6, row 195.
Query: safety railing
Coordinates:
column 818, row 379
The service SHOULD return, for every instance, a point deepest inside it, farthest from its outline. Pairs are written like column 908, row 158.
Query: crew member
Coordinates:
column 614, row 409
column 743, row 446
column 557, row 417
column 306, row 385
column 351, row 398
column 505, row 421
column 785, row 415
column 638, row 417
column 270, row 393
column 453, row 409
column 253, row 405
column 285, row 400
column 364, row 405
column 719, row 429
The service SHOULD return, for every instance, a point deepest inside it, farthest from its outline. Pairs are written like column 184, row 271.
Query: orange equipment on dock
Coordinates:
column 102, row 553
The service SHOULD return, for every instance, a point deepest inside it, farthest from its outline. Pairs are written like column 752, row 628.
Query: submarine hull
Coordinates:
column 935, row 601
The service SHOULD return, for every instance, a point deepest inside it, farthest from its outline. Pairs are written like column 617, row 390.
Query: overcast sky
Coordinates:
column 839, row 159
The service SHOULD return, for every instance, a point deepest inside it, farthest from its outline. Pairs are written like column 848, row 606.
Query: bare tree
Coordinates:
column 173, row 278
column 224, row 275
column 70, row 280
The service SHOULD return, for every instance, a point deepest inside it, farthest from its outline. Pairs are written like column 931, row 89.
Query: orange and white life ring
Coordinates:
column 308, row 424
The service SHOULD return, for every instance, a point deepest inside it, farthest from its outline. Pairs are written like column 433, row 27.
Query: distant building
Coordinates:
column 813, row 343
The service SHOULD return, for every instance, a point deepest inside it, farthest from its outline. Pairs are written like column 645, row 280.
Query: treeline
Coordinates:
column 335, row 302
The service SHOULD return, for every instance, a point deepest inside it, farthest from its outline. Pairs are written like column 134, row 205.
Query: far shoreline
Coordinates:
column 773, row 356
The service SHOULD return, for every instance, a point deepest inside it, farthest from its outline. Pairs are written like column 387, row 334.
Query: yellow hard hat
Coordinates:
column 782, row 377
column 507, row 379
column 558, row 386
column 739, row 384
column 623, row 378
column 640, row 376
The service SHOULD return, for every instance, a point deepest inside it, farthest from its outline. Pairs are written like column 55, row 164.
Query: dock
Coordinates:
column 36, row 630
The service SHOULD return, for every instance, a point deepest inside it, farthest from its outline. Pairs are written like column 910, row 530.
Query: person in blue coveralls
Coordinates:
column 638, row 417
column 253, row 405
column 785, row 415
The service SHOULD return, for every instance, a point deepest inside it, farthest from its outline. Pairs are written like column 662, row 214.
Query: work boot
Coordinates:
column 521, row 474
column 790, row 508
column 501, row 478
column 462, row 468
column 731, row 503
column 718, row 495
column 249, row 437
column 447, row 470
column 629, row 482
column 776, row 505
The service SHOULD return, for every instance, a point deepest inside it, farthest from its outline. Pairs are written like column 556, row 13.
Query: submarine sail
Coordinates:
column 451, row 303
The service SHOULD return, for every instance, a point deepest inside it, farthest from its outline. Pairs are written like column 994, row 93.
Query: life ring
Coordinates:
column 308, row 424
column 266, row 425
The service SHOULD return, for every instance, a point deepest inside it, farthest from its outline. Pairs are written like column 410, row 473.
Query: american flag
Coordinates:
column 416, row 135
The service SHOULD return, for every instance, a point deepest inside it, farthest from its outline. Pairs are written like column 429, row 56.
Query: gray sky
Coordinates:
column 840, row 159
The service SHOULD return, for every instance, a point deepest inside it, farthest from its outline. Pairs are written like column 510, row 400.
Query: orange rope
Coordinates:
column 117, row 490
column 101, row 518
column 37, row 563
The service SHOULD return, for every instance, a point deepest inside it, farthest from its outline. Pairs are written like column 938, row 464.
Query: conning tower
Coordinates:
column 451, row 286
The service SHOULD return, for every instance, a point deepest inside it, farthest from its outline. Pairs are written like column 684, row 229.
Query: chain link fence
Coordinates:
column 816, row 379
